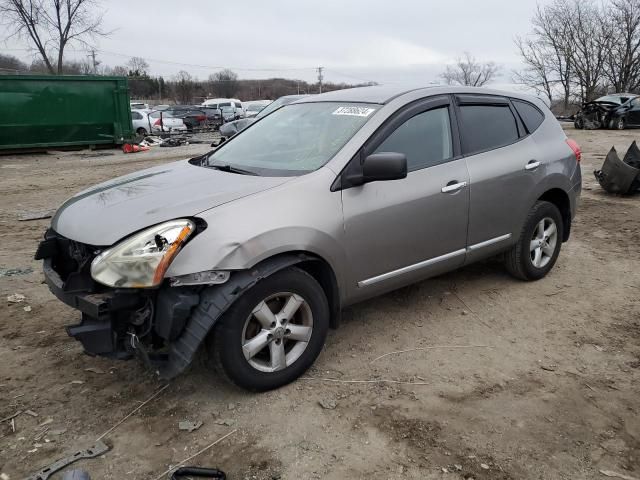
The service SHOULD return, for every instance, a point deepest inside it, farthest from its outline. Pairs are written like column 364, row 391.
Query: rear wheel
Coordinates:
column 273, row 333
column 539, row 244
column 578, row 123
column 141, row 131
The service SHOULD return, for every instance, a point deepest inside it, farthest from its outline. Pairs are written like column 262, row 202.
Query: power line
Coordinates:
column 320, row 77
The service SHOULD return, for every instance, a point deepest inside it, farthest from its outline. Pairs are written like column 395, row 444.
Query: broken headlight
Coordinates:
column 142, row 259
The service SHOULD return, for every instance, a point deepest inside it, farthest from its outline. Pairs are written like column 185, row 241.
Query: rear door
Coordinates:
column 402, row 230
column 504, row 168
column 633, row 115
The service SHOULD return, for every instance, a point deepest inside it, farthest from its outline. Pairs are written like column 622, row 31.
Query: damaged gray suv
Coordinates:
column 253, row 249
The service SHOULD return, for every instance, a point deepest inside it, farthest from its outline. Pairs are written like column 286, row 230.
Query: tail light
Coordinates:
column 576, row 149
column 158, row 122
column 201, row 118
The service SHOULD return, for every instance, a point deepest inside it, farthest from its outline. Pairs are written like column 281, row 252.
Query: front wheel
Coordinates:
column 273, row 333
column 538, row 247
column 620, row 123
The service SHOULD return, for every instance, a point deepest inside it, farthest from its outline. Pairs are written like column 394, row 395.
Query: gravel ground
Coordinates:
column 550, row 390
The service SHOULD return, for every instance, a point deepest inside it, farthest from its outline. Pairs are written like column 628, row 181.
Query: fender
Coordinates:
column 214, row 302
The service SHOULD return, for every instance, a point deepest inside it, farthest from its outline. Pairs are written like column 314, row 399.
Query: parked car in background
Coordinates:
column 229, row 113
column 228, row 130
column 618, row 111
column 251, row 109
column 193, row 117
column 164, row 121
column 138, row 105
column 140, row 121
column 238, row 111
column 214, row 117
column 253, row 249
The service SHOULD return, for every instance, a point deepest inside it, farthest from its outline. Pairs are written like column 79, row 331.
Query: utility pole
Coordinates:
column 320, row 77
column 95, row 63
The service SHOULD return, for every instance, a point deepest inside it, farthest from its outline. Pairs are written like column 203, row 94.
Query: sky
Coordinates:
column 384, row 41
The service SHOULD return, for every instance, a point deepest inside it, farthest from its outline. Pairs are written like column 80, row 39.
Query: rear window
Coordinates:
column 530, row 115
column 238, row 105
column 485, row 127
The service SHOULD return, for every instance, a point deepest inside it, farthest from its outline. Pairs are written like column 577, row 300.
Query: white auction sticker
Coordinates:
column 354, row 111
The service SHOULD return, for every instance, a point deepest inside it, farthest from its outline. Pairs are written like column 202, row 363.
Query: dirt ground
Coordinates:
column 546, row 386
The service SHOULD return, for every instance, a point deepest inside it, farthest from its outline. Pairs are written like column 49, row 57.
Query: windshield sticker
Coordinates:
column 354, row 111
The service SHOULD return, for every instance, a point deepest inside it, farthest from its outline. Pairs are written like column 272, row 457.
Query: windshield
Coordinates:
column 276, row 104
column 293, row 140
column 613, row 99
column 226, row 109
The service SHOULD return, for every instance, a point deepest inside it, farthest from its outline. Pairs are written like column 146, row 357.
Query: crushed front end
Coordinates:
column 115, row 322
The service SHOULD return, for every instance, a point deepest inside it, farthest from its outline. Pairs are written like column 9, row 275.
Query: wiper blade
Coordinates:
column 232, row 169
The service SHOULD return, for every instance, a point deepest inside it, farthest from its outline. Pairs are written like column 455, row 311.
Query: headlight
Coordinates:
column 143, row 259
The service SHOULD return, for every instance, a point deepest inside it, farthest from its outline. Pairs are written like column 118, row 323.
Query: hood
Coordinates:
column 105, row 213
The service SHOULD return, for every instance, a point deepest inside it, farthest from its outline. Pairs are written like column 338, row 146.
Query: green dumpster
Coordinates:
column 41, row 111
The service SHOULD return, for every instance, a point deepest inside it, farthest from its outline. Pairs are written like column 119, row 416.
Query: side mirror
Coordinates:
column 384, row 166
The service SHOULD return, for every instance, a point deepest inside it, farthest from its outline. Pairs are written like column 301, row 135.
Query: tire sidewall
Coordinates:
column 228, row 332
column 542, row 210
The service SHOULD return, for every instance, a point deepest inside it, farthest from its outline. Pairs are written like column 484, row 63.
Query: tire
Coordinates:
column 578, row 123
column 619, row 123
column 141, row 131
column 527, row 263
column 261, row 369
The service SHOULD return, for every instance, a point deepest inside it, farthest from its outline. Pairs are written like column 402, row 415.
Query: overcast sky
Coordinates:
column 355, row 40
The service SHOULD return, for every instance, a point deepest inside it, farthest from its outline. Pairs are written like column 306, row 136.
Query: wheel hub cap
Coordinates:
column 543, row 243
column 277, row 332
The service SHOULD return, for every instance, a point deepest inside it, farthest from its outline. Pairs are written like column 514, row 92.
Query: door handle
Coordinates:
column 453, row 186
column 532, row 165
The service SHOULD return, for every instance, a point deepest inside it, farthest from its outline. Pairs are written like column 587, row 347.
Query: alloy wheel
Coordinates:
column 277, row 332
column 543, row 242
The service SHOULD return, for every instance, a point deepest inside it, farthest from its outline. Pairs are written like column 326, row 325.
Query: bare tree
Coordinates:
column 623, row 63
column 51, row 25
column 138, row 67
column 591, row 35
column 468, row 71
column 538, row 73
column 224, row 82
column 183, row 87
column 11, row 64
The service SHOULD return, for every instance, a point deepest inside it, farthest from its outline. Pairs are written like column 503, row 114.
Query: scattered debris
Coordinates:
column 175, row 467
column 611, row 473
column 94, row 370
column 13, row 272
column 16, row 298
column 91, row 452
column 76, row 382
column 174, row 142
column 484, row 466
column 48, row 421
column 27, row 308
column 31, row 413
column 57, row 431
column 198, row 472
column 133, row 412
column 620, row 176
column 225, row 422
column 432, row 347
column 37, row 215
column 549, row 368
column 6, row 419
column 189, row 426
column 132, row 148
column 328, row 404
column 231, row 406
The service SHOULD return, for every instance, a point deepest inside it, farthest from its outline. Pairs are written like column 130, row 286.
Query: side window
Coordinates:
column 530, row 115
column 485, row 127
column 136, row 116
column 425, row 139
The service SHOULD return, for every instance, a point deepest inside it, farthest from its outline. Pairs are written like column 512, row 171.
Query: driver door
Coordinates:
column 400, row 231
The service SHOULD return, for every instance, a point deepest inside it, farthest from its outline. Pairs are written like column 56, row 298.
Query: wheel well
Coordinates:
column 561, row 200
column 319, row 269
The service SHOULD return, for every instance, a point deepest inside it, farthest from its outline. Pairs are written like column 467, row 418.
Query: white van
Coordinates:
column 226, row 102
